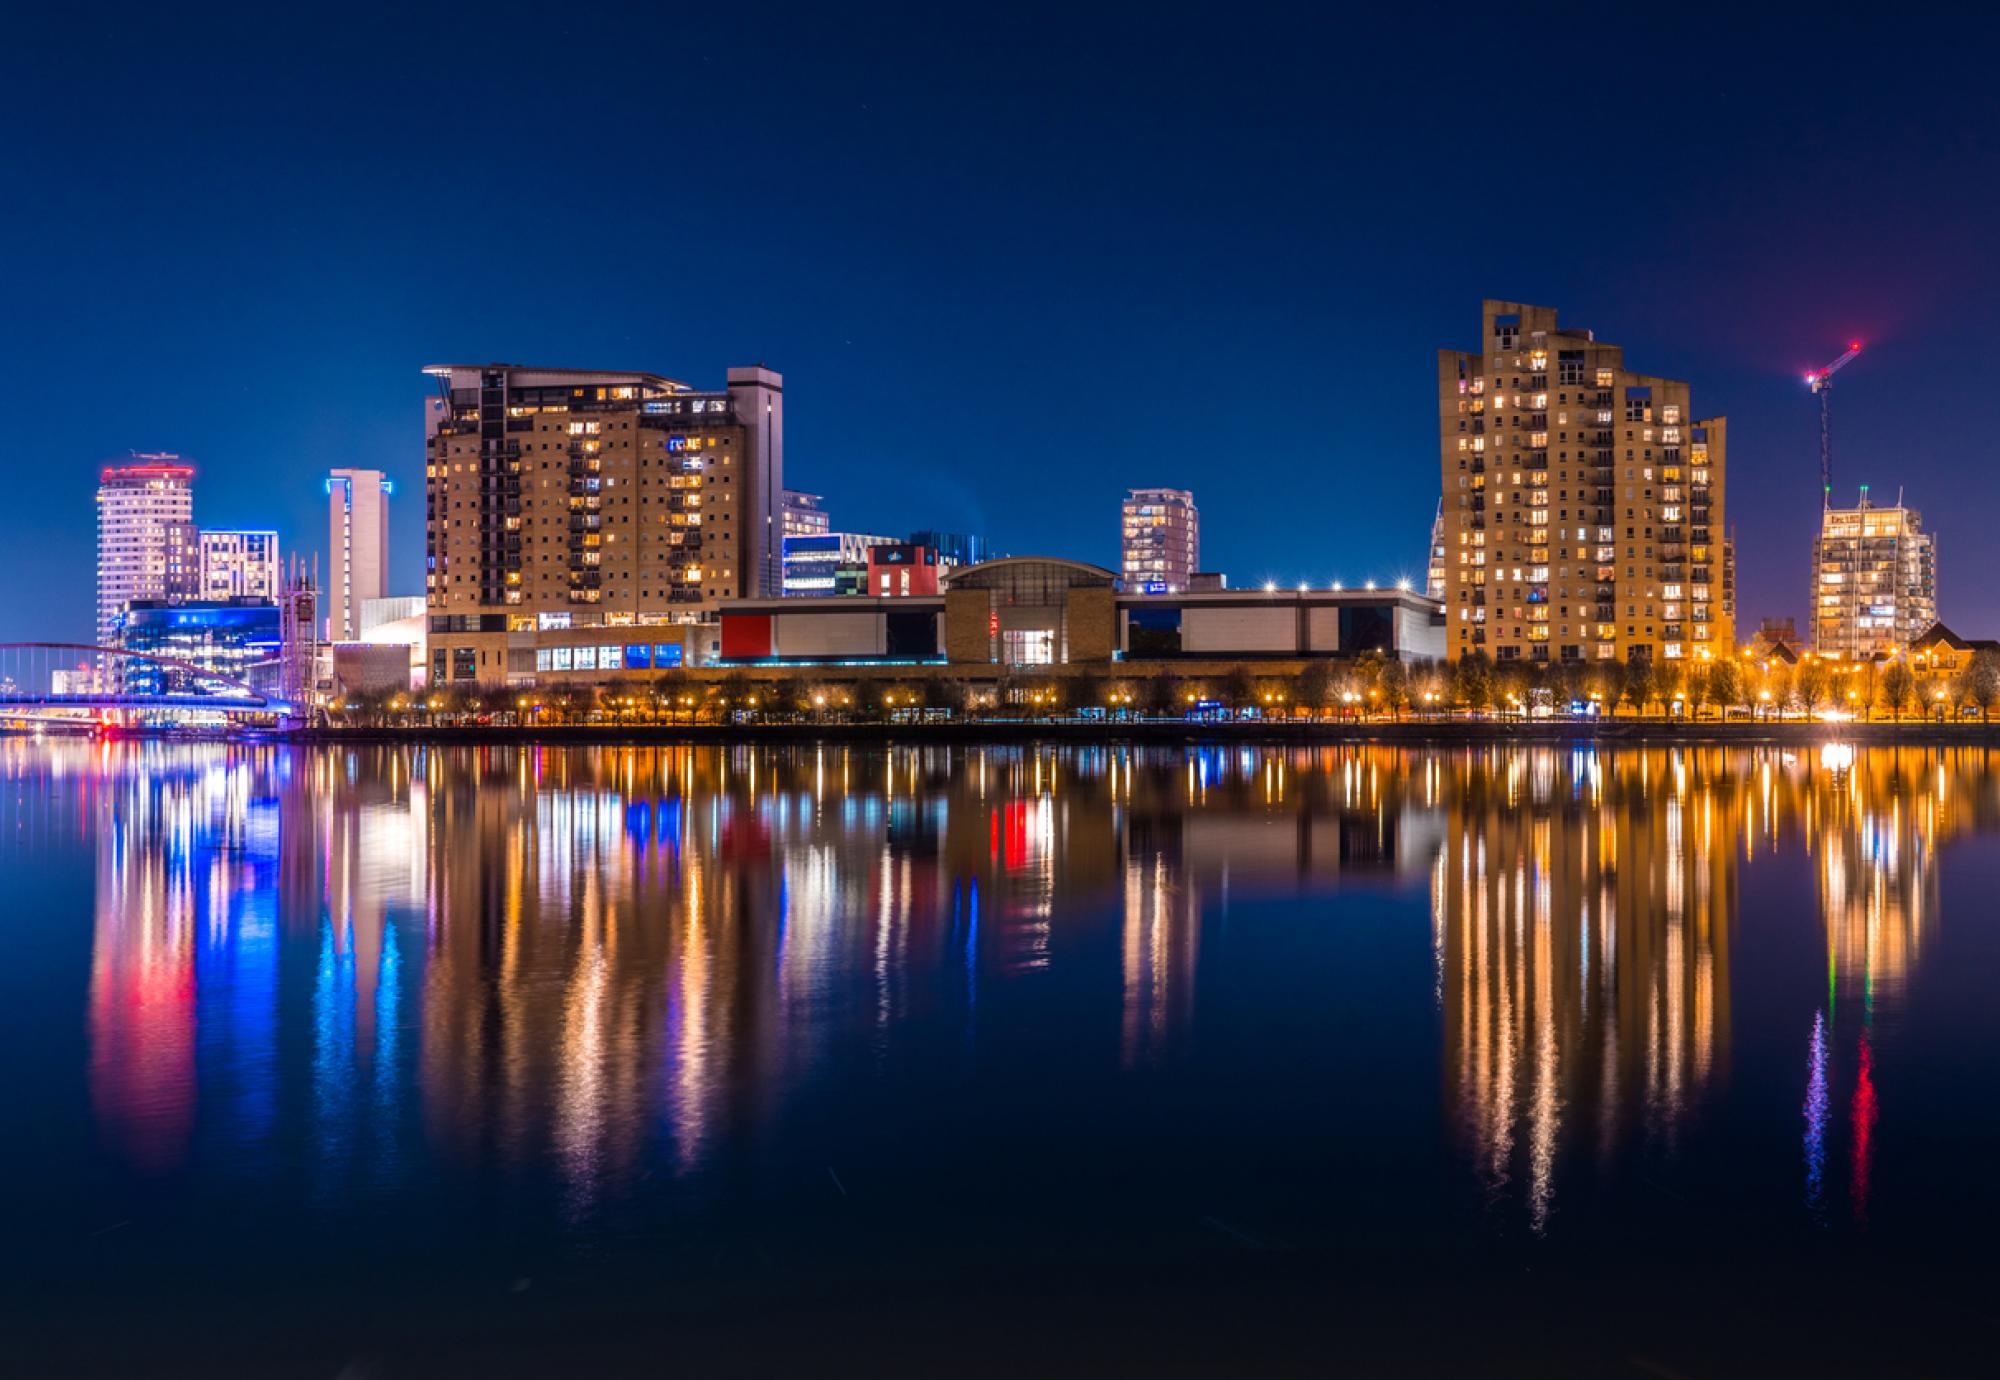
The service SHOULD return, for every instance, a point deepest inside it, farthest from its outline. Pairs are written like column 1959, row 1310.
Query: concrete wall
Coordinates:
column 1417, row 638
column 1256, row 628
column 829, row 634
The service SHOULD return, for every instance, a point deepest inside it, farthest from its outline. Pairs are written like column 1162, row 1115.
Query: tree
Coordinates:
column 1239, row 689
column 1669, row 681
column 1512, row 681
column 1982, row 683
column 1574, row 680
column 1868, row 688
column 1395, row 687
column 1163, row 695
column 672, row 691
column 783, row 696
column 1315, row 686
column 1898, row 685
column 1815, row 684
column 1699, row 680
column 1783, row 684
column 1725, row 685
column 1472, row 680
column 735, row 692
column 942, row 692
column 1637, row 683
column 1429, row 687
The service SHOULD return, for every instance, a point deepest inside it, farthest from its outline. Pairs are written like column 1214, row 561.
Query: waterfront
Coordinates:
column 407, row 1059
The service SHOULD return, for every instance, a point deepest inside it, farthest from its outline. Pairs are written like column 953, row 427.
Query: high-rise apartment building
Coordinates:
column 1434, row 581
column 238, row 565
column 357, row 503
column 1874, row 581
column 1583, row 502
column 1161, row 535
column 803, row 515
column 146, row 542
column 569, row 498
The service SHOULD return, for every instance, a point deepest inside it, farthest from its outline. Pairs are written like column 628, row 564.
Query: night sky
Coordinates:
column 1010, row 260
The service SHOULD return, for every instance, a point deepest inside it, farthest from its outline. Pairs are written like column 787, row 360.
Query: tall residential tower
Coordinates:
column 357, row 503
column 1874, row 581
column 572, row 498
column 1160, row 532
column 1583, row 502
column 146, row 545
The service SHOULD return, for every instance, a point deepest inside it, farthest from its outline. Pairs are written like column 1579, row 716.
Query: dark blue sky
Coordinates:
column 1010, row 260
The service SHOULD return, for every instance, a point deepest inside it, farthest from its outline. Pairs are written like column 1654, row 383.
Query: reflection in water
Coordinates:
column 1816, row 1119
column 601, row 964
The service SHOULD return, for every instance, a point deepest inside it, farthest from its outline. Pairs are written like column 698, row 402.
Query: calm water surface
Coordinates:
column 691, row 1061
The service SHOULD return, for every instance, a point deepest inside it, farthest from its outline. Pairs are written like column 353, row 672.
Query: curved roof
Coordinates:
column 1006, row 570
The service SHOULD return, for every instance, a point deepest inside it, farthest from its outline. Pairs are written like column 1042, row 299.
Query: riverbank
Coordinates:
column 1173, row 733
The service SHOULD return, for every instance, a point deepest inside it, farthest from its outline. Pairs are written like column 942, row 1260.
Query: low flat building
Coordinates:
column 1025, row 612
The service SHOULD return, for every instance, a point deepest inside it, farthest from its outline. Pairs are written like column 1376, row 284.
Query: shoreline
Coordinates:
column 1172, row 734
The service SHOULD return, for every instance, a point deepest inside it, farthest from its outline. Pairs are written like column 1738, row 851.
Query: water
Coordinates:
column 500, row 1061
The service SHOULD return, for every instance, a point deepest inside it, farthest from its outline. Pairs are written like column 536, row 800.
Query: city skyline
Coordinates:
column 911, row 365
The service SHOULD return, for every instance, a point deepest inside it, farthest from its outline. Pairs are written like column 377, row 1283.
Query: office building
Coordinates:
column 828, row 563
column 1161, row 534
column 238, row 565
column 1874, row 581
column 955, row 548
column 803, row 515
column 560, row 499
column 146, row 546
column 235, row 638
column 1583, row 502
column 358, row 547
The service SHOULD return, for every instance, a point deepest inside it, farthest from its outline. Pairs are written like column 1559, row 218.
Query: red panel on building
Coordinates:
column 746, row 634
column 900, row 569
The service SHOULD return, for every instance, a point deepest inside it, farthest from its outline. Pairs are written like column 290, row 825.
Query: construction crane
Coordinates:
column 1821, row 382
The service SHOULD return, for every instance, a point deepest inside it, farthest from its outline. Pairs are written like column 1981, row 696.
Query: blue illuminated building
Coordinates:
column 237, row 638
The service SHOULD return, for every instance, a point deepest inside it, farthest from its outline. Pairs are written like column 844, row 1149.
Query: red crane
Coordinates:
column 1821, row 382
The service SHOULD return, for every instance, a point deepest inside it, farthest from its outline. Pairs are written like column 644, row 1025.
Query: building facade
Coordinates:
column 1160, row 532
column 955, row 548
column 239, row 565
column 1025, row 612
column 824, row 563
column 1434, row 581
column 1583, row 514
column 146, row 541
column 899, row 569
column 358, row 540
column 236, row 638
column 560, row 499
column 1874, row 581
column 804, row 517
